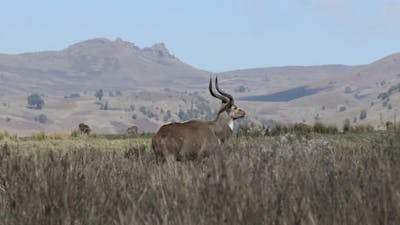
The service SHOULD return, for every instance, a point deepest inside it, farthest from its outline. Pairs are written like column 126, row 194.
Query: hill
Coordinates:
column 328, row 93
column 161, row 88
column 97, row 63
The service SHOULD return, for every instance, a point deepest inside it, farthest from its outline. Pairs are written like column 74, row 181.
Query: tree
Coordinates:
column 347, row 90
column 363, row 114
column 41, row 118
column 35, row 101
column 99, row 94
column 346, row 125
column 241, row 89
column 104, row 106
column 341, row 108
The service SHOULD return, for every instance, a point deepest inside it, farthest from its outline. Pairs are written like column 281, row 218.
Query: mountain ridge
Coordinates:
column 100, row 62
column 289, row 94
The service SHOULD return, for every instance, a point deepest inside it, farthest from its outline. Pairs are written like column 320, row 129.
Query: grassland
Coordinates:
column 350, row 178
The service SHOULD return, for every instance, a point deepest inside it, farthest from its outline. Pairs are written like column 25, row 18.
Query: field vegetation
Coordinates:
column 287, row 178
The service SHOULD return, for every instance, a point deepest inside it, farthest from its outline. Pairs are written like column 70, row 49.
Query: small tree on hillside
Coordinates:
column 346, row 125
column 35, row 101
column 41, row 118
column 99, row 94
column 363, row 114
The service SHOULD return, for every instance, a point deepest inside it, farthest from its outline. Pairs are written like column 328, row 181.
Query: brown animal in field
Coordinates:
column 390, row 125
column 84, row 128
column 133, row 130
column 197, row 138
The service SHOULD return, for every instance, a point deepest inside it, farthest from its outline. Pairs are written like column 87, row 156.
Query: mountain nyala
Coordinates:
column 197, row 138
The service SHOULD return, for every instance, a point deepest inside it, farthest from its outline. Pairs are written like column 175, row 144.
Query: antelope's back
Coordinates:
column 170, row 138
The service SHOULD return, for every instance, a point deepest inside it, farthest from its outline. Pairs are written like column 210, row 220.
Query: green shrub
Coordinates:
column 362, row 128
column 346, row 125
column 363, row 114
column 324, row 129
column 39, row 136
column 35, row 101
column 302, row 128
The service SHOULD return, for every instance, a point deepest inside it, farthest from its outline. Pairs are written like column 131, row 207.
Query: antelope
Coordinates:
column 133, row 130
column 84, row 128
column 197, row 138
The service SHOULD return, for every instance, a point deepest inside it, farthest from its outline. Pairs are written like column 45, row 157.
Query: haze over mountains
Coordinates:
column 153, row 78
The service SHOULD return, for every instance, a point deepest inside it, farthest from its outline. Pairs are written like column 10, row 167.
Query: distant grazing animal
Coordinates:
column 85, row 129
column 197, row 138
column 133, row 130
column 390, row 125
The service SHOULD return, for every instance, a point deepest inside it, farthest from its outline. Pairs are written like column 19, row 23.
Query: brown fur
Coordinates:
column 84, row 128
column 133, row 130
column 196, row 138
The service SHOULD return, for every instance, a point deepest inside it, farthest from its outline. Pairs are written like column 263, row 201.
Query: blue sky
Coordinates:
column 214, row 35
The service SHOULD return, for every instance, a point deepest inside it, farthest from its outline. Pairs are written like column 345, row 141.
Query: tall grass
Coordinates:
column 248, row 181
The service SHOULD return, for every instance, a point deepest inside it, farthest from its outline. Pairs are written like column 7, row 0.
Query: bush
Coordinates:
column 6, row 135
column 42, row 118
column 104, row 106
column 346, row 125
column 319, row 127
column 279, row 129
column 241, row 89
column 99, row 94
column 76, row 133
column 147, row 112
column 302, row 128
column 363, row 114
column 325, row 129
column 342, row 108
column 58, row 136
column 183, row 116
column 250, row 130
column 391, row 126
column 39, row 136
column 167, row 116
column 35, row 101
column 362, row 128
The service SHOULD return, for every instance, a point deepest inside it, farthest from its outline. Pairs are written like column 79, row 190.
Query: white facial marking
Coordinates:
column 230, row 124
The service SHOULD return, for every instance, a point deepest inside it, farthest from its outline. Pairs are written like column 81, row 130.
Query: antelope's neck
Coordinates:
column 223, row 126
column 230, row 124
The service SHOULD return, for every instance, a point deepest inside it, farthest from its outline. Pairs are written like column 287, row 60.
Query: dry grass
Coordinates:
column 328, row 179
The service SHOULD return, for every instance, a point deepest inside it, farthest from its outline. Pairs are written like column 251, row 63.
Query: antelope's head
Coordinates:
column 227, row 102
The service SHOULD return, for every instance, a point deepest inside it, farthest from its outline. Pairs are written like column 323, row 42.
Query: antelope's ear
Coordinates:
column 228, row 105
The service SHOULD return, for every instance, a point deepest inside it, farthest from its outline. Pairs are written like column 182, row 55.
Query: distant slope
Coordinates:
column 282, row 78
column 274, row 79
column 156, row 87
column 339, row 92
column 98, row 63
